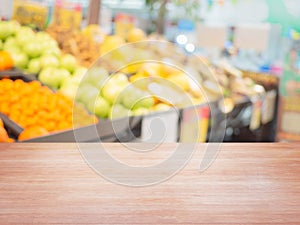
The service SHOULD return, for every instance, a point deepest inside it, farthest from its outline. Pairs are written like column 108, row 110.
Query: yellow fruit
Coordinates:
column 161, row 107
column 181, row 80
column 110, row 43
column 130, row 69
column 151, row 69
column 140, row 81
column 135, row 77
column 135, row 35
column 94, row 32
column 170, row 70
column 196, row 101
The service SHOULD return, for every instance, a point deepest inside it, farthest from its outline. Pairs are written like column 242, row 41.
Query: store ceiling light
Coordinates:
column 190, row 48
column 181, row 39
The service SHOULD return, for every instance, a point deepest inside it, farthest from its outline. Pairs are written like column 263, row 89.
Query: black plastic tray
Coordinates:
column 104, row 131
column 15, row 71
column 11, row 127
column 10, row 72
column 17, row 75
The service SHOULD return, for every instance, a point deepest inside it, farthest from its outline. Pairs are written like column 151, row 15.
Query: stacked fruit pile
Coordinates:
column 38, row 109
column 88, row 44
column 112, row 96
column 84, row 45
column 35, row 53
column 154, row 87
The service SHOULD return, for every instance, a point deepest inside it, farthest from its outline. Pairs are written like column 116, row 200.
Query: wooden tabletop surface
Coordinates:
column 247, row 183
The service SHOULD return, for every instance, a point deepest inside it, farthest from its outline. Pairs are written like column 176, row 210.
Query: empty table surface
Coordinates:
column 246, row 183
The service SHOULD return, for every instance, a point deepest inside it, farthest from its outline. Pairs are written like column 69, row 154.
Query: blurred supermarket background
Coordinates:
column 244, row 53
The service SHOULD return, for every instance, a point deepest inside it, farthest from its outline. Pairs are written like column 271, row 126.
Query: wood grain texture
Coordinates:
column 247, row 184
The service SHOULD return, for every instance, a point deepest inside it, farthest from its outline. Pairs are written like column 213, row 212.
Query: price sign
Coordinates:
column 268, row 107
column 194, row 124
column 68, row 15
column 161, row 128
column 124, row 23
column 30, row 13
column 256, row 113
column 289, row 118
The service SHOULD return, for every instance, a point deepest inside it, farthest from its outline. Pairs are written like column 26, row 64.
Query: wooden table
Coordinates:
column 247, row 183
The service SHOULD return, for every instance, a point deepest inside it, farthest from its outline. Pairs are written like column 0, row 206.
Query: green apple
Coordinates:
column 53, row 77
column 49, row 61
column 111, row 93
column 87, row 93
column 25, row 30
column 34, row 66
column 16, row 24
column 52, row 44
column 69, row 89
column 11, row 45
column 100, row 107
column 24, row 35
column 80, row 71
column 75, row 80
column 20, row 59
column 68, row 62
column 33, row 49
column 11, row 48
column 145, row 102
column 95, row 75
column 119, row 111
column 63, row 74
column 130, row 96
column 11, row 41
column 70, row 81
column 140, row 111
column 49, row 77
column 6, row 29
column 43, row 36
column 50, row 51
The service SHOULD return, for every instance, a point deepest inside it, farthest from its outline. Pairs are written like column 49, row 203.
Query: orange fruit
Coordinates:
column 3, row 135
column 6, row 61
column 32, row 132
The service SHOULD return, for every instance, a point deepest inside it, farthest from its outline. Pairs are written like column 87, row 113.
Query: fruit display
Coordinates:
column 123, row 82
column 38, row 109
column 199, row 78
column 84, row 45
column 174, row 80
column 6, row 62
column 112, row 96
column 90, row 43
column 37, row 53
column 119, row 95
column 4, row 138
column 234, row 82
